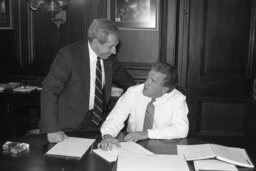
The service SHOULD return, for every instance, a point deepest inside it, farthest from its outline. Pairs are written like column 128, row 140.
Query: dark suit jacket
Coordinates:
column 65, row 93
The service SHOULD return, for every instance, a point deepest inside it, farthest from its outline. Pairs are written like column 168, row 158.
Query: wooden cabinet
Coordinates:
column 20, row 112
column 5, row 119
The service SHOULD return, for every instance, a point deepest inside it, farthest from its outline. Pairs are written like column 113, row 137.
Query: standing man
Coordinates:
column 79, row 82
column 155, row 109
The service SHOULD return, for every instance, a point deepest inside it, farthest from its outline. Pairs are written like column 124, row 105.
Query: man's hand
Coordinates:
column 107, row 142
column 56, row 136
column 136, row 136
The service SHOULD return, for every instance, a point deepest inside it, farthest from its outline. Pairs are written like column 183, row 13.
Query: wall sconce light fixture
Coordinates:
column 57, row 9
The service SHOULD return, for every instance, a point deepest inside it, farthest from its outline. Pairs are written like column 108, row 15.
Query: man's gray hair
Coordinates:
column 100, row 28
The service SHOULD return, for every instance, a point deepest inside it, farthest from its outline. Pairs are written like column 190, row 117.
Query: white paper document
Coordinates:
column 237, row 156
column 213, row 164
column 195, row 152
column 144, row 162
column 116, row 92
column 71, row 147
column 126, row 147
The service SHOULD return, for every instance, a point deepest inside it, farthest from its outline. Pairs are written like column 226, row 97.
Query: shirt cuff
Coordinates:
column 151, row 134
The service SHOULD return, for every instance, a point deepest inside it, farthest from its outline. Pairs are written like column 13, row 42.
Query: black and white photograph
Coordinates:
column 128, row 85
column 140, row 14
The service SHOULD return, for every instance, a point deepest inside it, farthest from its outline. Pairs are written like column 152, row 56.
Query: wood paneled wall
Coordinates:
column 221, row 43
column 32, row 45
column 210, row 42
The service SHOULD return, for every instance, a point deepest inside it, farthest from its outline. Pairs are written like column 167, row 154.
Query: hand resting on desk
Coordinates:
column 107, row 142
column 56, row 136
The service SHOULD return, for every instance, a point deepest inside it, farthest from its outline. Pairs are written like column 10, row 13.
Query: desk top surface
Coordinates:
column 35, row 159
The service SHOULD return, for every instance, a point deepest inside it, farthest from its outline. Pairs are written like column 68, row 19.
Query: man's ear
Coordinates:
column 94, row 42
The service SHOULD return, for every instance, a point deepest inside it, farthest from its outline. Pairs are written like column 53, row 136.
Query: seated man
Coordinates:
column 156, row 110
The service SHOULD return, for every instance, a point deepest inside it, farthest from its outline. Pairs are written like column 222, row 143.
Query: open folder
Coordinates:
column 72, row 147
column 237, row 156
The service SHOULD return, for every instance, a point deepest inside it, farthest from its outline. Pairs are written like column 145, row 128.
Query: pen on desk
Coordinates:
column 248, row 161
column 91, row 148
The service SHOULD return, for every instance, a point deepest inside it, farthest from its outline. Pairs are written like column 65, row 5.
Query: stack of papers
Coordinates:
column 143, row 162
column 9, row 86
column 211, row 164
column 233, row 155
column 71, row 147
column 126, row 147
column 12, row 85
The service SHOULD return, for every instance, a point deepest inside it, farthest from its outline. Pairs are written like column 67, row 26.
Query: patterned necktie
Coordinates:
column 149, row 115
column 98, row 100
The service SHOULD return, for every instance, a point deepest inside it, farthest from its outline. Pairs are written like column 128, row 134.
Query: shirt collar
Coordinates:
column 164, row 97
column 92, row 54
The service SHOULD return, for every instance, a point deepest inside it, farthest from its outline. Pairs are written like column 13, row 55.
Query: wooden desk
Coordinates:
column 35, row 160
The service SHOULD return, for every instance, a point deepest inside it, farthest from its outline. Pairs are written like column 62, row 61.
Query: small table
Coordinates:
column 35, row 160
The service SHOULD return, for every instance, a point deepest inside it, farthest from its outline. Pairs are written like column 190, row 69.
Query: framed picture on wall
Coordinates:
column 135, row 14
column 6, row 14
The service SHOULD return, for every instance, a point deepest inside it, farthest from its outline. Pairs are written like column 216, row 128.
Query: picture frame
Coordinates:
column 135, row 14
column 6, row 14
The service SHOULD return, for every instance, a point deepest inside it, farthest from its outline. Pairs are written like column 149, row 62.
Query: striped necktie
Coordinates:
column 149, row 115
column 98, row 100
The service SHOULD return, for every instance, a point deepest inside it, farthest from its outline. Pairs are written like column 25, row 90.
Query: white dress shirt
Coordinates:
column 170, row 116
column 93, row 62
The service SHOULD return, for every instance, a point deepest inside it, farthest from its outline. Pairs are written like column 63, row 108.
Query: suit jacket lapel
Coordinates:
column 85, row 70
column 108, row 78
